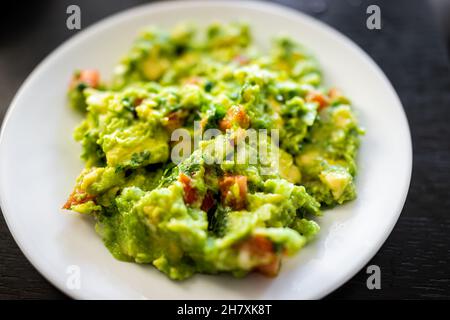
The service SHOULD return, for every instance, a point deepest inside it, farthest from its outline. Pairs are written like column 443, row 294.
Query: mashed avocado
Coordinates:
column 209, row 213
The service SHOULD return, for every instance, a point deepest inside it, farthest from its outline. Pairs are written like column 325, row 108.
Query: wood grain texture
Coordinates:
column 415, row 260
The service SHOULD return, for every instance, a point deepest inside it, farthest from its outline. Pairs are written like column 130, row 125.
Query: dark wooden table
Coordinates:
column 415, row 260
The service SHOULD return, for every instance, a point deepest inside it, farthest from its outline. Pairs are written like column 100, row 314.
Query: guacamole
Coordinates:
column 206, row 212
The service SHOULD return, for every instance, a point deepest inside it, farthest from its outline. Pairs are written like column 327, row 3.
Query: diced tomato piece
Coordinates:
column 271, row 269
column 192, row 80
column 190, row 193
column 319, row 98
column 235, row 115
column 89, row 77
column 224, row 124
column 208, row 201
column 241, row 59
column 137, row 101
column 228, row 186
column 77, row 197
column 175, row 119
column 240, row 117
column 260, row 247
column 334, row 93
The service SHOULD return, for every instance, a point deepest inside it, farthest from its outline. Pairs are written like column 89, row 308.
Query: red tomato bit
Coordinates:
column 88, row 77
column 77, row 197
column 175, row 119
column 208, row 201
column 260, row 247
column 235, row 115
column 319, row 98
column 190, row 194
column 236, row 199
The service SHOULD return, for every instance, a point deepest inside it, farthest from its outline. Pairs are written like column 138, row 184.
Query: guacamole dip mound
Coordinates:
column 208, row 212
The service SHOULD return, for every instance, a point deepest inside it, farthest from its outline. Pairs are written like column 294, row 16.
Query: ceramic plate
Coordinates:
column 39, row 162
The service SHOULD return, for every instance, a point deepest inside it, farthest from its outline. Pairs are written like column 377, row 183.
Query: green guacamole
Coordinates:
column 208, row 213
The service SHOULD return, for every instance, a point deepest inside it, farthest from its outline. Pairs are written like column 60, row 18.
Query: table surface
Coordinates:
column 415, row 260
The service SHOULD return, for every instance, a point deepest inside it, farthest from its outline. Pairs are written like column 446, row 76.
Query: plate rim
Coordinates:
column 104, row 23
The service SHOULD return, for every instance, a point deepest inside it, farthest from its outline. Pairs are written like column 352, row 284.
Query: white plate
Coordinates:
column 40, row 161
